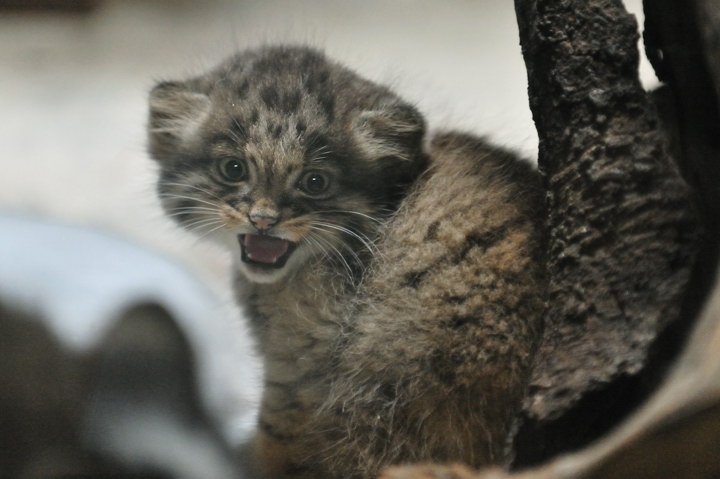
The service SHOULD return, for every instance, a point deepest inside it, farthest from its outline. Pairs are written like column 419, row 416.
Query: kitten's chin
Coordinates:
column 257, row 273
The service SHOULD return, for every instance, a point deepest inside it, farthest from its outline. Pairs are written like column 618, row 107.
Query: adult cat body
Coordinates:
column 394, row 287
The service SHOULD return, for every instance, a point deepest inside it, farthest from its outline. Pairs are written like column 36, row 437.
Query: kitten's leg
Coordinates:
column 296, row 338
column 280, row 448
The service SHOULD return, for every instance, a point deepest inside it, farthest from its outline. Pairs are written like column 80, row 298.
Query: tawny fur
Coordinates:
column 436, row 351
column 404, row 330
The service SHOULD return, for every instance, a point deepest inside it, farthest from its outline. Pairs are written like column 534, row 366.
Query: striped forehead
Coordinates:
column 274, row 160
column 273, row 137
column 256, row 143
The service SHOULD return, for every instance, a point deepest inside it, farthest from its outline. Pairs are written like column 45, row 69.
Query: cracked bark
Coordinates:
column 621, row 225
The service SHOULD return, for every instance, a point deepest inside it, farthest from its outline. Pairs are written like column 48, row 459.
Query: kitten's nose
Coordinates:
column 263, row 221
column 263, row 214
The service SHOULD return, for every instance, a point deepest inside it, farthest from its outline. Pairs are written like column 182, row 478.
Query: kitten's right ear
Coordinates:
column 391, row 138
column 176, row 113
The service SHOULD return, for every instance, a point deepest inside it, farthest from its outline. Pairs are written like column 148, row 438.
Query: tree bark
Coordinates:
column 621, row 225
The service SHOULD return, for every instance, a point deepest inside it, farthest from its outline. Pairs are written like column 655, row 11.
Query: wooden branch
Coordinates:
column 621, row 231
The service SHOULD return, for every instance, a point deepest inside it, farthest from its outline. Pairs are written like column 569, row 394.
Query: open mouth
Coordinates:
column 265, row 251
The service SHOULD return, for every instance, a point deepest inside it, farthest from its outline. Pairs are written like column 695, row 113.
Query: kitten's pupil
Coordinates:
column 314, row 183
column 233, row 169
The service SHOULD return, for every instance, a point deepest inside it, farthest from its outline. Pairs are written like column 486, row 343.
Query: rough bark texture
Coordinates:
column 621, row 227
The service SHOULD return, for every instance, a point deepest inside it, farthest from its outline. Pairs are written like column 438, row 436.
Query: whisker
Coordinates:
column 192, row 212
column 202, row 220
column 364, row 215
column 192, row 198
column 311, row 239
column 209, row 232
column 235, row 136
column 366, row 242
column 336, row 253
column 199, row 224
column 357, row 261
column 194, row 187
column 321, row 152
column 347, row 248
column 194, row 208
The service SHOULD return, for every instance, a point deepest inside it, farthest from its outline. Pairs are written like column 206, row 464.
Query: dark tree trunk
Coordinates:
column 621, row 225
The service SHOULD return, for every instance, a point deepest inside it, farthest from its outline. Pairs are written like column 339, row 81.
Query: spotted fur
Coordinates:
column 402, row 326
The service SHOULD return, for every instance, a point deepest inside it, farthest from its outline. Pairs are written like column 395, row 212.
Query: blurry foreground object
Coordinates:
column 114, row 394
column 676, row 435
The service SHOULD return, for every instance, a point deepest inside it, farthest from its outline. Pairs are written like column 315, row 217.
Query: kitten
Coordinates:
column 395, row 290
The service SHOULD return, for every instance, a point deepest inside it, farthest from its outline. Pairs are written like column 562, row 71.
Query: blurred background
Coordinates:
column 74, row 77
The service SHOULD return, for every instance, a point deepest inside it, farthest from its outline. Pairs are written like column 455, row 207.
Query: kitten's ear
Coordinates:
column 392, row 137
column 396, row 130
column 176, row 112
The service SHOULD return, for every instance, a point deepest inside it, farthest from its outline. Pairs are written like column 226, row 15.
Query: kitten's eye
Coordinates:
column 314, row 183
column 233, row 169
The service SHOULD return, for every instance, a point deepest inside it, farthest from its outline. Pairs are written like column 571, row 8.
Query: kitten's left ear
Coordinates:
column 176, row 112
column 396, row 130
column 392, row 136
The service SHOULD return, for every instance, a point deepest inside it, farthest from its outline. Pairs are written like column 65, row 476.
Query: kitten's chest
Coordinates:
column 298, row 324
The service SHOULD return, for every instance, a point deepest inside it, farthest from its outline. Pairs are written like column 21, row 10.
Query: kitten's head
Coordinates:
column 283, row 156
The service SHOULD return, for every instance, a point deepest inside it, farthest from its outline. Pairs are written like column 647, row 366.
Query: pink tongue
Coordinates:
column 264, row 249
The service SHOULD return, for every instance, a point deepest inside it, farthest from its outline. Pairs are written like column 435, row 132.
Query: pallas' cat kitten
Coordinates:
column 394, row 287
